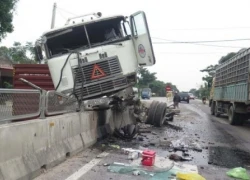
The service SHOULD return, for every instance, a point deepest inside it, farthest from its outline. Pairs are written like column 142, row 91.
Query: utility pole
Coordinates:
column 53, row 16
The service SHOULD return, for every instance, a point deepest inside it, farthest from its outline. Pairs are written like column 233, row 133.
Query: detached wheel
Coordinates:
column 233, row 117
column 151, row 112
column 212, row 108
column 160, row 114
column 216, row 112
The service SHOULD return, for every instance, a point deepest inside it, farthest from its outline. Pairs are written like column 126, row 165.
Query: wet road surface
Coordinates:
column 223, row 147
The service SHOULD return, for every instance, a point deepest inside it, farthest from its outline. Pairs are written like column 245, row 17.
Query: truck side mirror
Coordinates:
column 38, row 53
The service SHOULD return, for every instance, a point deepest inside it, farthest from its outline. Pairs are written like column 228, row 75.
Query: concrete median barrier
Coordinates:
column 29, row 147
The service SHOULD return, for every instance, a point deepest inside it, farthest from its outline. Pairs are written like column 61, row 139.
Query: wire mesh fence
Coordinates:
column 18, row 104
column 57, row 103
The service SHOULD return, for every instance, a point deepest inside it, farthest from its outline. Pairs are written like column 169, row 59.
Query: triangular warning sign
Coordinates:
column 97, row 72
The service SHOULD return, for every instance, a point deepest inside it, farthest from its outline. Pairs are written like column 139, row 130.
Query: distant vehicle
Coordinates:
column 146, row 93
column 184, row 96
column 191, row 96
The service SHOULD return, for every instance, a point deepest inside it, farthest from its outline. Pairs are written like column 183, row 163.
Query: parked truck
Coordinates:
column 94, row 56
column 230, row 93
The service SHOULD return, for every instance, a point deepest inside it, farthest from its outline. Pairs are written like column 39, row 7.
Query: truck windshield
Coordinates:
column 86, row 36
column 146, row 90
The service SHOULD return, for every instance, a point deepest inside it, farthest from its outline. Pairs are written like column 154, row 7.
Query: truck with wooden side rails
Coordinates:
column 230, row 93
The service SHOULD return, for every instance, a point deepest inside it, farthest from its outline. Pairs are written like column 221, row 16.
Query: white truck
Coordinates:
column 93, row 56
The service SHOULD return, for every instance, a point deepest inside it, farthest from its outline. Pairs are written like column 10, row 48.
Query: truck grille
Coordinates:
column 105, row 87
column 110, row 66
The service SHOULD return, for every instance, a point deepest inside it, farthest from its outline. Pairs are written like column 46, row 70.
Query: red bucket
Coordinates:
column 148, row 158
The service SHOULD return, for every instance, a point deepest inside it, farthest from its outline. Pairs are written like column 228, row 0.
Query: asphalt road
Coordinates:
column 223, row 147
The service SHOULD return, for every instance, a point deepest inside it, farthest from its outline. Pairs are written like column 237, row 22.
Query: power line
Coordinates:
column 192, row 53
column 193, row 43
column 66, row 11
column 220, row 46
column 60, row 13
column 224, row 40
column 210, row 45
column 200, row 29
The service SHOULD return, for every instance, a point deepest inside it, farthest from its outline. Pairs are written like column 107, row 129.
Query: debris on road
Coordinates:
column 154, row 133
column 176, row 157
column 144, row 131
column 132, row 153
column 115, row 146
column 196, row 147
column 189, row 176
column 148, row 158
column 140, row 139
column 127, row 132
column 239, row 173
column 136, row 173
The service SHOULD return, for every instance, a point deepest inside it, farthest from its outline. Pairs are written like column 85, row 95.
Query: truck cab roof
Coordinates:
column 86, row 21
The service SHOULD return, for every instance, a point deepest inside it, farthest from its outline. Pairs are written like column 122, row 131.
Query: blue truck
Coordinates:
column 146, row 93
column 230, row 92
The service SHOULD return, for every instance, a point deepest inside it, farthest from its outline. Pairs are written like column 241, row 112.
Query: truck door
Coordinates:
column 142, row 40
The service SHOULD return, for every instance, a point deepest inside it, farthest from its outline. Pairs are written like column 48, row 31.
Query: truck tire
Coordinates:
column 160, row 114
column 233, row 117
column 212, row 108
column 151, row 112
column 188, row 101
column 216, row 113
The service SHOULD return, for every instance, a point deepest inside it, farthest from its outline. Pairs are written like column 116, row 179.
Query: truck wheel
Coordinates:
column 160, row 114
column 233, row 117
column 188, row 101
column 151, row 112
column 216, row 113
column 212, row 109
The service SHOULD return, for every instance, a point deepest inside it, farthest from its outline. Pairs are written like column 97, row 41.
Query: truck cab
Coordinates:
column 96, row 56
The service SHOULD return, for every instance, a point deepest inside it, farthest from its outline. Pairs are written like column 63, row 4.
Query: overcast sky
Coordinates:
column 178, row 20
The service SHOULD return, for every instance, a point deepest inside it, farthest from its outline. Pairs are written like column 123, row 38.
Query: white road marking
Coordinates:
column 83, row 170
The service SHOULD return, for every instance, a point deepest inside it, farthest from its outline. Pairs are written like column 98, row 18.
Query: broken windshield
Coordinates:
column 86, row 36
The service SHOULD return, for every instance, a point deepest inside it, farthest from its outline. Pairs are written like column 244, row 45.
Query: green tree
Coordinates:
column 7, row 8
column 158, row 87
column 193, row 90
column 145, row 77
column 148, row 79
column 18, row 53
column 208, row 79
column 227, row 57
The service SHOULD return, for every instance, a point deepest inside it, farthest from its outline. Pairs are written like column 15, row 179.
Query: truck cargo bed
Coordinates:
column 232, row 79
column 235, row 92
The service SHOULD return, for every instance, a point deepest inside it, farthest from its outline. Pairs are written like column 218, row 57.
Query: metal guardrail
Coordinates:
column 17, row 104
column 58, row 103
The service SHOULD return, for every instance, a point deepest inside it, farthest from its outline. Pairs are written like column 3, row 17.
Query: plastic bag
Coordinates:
column 239, row 173
column 189, row 176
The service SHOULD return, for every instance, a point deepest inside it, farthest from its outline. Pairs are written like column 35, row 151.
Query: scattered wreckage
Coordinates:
column 157, row 114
